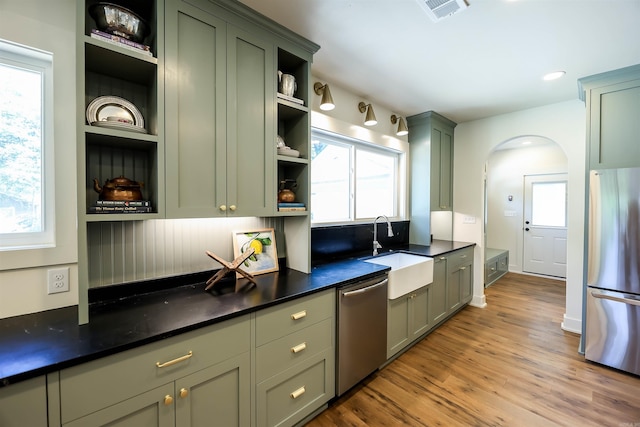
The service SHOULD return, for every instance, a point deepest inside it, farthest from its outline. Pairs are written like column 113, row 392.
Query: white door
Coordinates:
column 545, row 225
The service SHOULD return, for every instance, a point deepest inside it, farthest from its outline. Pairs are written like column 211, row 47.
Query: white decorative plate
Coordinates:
column 119, row 126
column 288, row 152
column 108, row 106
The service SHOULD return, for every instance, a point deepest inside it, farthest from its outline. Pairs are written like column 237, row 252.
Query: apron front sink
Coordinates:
column 408, row 272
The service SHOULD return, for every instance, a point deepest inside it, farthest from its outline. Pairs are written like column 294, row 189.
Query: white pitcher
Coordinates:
column 287, row 84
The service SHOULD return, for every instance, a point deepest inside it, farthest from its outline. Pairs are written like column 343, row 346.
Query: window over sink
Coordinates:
column 353, row 180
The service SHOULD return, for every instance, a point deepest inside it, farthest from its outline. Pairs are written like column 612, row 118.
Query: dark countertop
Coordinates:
column 39, row 343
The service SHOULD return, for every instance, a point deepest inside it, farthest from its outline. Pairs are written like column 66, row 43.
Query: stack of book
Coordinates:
column 121, row 206
column 121, row 41
column 291, row 207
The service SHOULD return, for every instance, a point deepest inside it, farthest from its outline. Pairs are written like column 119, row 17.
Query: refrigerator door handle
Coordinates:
column 601, row 295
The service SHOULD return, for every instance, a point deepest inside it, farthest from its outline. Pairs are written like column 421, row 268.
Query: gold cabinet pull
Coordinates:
column 298, row 348
column 463, row 268
column 299, row 315
column 168, row 400
column 299, row 392
column 223, row 208
column 174, row 361
column 184, row 393
column 232, row 208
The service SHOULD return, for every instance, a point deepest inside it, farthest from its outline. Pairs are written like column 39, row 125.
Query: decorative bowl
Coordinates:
column 117, row 20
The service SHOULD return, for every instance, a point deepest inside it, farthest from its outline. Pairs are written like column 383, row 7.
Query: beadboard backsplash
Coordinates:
column 128, row 251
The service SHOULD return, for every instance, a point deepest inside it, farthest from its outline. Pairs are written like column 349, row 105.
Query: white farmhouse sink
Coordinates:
column 408, row 272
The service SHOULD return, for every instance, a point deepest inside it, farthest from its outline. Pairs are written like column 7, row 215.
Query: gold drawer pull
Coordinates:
column 299, row 315
column 463, row 268
column 168, row 400
column 174, row 361
column 299, row 348
column 184, row 392
column 299, row 392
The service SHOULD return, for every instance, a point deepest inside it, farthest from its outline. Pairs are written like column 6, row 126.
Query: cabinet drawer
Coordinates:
column 278, row 321
column 278, row 355
column 294, row 394
column 95, row 385
column 459, row 258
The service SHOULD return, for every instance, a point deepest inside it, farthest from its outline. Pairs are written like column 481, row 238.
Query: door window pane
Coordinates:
column 549, row 204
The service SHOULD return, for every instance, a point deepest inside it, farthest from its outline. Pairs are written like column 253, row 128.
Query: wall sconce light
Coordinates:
column 326, row 102
column 370, row 117
column 402, row 126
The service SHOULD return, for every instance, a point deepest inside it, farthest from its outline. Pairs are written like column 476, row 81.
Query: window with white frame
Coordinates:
column 26, row 148
column 352, row 180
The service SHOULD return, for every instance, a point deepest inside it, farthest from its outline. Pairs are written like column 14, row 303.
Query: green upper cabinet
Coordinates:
column 431, row 148
column 219, row 119
column 613, row 108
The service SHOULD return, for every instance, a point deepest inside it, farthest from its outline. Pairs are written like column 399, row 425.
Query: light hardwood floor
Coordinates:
column 509, row 364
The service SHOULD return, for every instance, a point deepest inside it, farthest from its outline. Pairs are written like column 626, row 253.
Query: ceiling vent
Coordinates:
column 440, row 9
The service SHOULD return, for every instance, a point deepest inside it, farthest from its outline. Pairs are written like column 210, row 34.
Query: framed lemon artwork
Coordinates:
column 265, row 256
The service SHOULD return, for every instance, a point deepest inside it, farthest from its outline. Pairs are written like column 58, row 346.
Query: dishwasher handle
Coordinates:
column 365, row 289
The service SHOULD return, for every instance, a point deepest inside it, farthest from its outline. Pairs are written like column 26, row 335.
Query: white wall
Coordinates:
column 505, row 177
column 564, row 123
column 49, row 26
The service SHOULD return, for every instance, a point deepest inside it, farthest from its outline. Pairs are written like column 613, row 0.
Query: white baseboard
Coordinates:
column 571, row 325
column 479, row 301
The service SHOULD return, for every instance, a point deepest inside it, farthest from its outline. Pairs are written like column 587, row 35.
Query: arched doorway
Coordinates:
column 506, row 169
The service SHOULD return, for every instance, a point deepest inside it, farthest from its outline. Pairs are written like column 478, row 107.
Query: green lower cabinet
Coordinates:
column 218, row 394
column 459, row 278
column 438, row 294
column 152, row 408
column 24, row 403
column 290, row 396
column 407, row 319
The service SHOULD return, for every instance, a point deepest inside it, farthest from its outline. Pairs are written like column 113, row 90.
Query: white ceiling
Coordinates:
column 486, row 60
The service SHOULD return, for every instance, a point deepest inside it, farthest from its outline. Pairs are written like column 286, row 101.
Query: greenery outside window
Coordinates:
column 26, row 148
column 352, row 180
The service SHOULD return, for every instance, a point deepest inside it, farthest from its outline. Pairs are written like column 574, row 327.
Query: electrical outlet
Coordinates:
column 58, row 280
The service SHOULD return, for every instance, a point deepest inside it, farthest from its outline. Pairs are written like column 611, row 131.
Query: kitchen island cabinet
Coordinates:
column 24, row 404
column 613, row 103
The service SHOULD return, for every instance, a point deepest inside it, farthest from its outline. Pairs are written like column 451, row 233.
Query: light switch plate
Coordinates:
column 469, row 220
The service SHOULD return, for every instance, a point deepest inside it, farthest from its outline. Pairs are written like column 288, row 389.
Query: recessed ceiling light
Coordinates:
column 554, row 75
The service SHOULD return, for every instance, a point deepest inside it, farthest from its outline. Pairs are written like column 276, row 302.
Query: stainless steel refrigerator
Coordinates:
column 613, row 276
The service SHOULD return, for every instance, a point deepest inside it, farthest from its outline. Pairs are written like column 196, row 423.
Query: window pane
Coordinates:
column 375, row 184
column 548, row 204
column 21, row 198
column 330, row 183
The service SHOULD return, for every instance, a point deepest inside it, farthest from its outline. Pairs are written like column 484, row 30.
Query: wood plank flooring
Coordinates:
column 509, row 364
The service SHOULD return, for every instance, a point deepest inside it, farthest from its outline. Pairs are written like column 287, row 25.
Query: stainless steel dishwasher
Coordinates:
column 362, row 331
